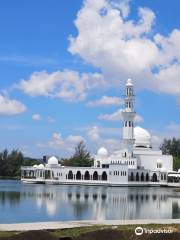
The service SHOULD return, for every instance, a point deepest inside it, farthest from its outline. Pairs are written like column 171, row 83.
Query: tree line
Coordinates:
column 11, row 162
column 172, row 147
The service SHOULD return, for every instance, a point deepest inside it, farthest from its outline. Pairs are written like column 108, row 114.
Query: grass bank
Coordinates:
column 96, row 233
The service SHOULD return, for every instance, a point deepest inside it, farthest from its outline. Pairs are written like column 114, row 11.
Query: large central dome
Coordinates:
column 142, row 137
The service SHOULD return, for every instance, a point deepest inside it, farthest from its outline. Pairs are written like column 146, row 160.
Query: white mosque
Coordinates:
column 138, row 163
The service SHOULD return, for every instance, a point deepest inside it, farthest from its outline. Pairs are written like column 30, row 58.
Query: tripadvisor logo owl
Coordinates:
column 139, row 231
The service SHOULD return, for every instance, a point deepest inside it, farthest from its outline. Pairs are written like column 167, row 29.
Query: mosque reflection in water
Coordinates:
column 82, row 202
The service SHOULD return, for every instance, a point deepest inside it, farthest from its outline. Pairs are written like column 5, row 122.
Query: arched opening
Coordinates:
column 142, row 177
column 154, row 177
column 78, row 175
column 86, row 175
column 137, row 176
column 70, row 175
column 95, row 175
column 104, row 176
column 132, row 177
column 147, row 177
column 47, row 174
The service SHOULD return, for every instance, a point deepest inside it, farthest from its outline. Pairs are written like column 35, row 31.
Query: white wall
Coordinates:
column 150, row 161
column 118, row 173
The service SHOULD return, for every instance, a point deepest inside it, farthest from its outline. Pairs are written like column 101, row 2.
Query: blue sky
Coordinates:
column 63, row 66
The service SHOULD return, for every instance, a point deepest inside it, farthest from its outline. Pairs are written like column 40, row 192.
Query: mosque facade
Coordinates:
column 137, row 163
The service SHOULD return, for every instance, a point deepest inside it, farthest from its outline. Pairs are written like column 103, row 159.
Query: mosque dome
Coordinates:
column 35, row 166
column 53, row 161
column 102, row 152
column 142, row 137
column 40, row 166
column 179, row 170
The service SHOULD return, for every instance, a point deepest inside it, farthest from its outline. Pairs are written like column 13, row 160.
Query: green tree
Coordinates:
column 172, row 147
column 81, row 157
column 10, row 163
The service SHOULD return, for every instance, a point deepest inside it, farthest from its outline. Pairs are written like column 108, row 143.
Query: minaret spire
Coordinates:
column 128, row 113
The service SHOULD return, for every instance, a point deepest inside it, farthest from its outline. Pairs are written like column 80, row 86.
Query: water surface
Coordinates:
column 34, row 202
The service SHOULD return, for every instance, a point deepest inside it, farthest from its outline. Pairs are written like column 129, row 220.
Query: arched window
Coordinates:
column 137, row 177
column 86, row 175
column 142, row 177
column 78, row 175
column 132, row 176
column 147, row 177
column 104, row 176
column 154, row 177
column 95, row 175
column 70, row 175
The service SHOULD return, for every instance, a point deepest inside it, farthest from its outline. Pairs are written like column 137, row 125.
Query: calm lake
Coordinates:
column 27, row 203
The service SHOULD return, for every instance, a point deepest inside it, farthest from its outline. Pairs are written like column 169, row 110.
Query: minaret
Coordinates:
column 128, row 115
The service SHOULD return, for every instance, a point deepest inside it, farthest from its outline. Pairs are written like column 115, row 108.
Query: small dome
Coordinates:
column 179, row 170
column 53, row 160
column 40, row 166
column 129, row 82
column 102, row 152
column 35, row 166
column 142, row 137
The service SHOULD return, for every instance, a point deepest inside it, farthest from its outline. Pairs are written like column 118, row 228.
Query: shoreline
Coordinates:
column 84, row 223
column 9, row 178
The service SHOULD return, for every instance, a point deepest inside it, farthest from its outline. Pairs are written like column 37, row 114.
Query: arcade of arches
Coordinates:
column 87, row 176
column 143, row 177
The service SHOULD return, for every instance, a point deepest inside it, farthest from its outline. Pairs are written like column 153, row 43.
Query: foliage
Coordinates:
column 81, row 157
column 10, row 163
column 172, row 147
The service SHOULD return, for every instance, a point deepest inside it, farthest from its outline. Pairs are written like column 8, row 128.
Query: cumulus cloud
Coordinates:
column 117, row 116
column 57, row 141
column 94, row 133
column 103, row 137
column 10, row 106
column 105, row 101
column 36, row 117
column 123, row 47
column 67, row 85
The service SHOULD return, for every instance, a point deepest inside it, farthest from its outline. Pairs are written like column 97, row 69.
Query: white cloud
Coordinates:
column 122, row 47
column 59, row 142
column 105, row 101
column 93, row 133
column 67, row 85
column 117, row 116
column 169, row 79
column 10, row 106
column 74, row 139
column 103, row 137
column 36, row 117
